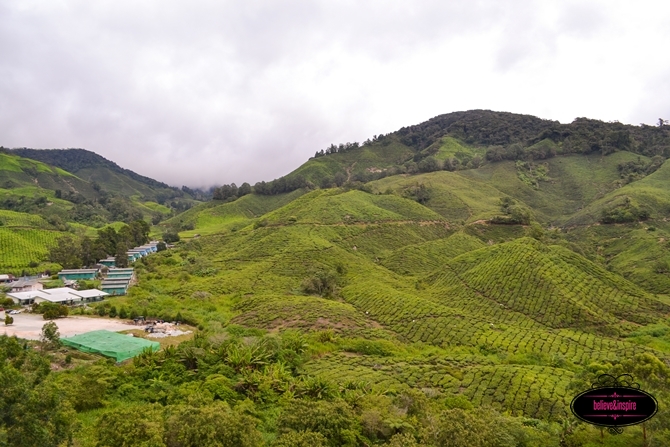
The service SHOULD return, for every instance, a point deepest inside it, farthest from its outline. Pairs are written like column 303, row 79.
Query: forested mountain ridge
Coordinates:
column 464, row 140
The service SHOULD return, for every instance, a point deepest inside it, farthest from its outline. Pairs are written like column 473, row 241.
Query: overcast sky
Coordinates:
column 211, row 92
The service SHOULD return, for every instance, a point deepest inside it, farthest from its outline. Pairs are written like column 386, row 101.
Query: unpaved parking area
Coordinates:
column 29, row 326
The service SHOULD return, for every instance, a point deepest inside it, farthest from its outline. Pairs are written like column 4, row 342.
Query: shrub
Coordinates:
column 170, row 237
column 370, row 347
column 305, row 438
column 50, row 336
column 141, row 424
column 260, row 223
column 212, row 425
column 334, row 420
column 322, row 284
column 51, row 311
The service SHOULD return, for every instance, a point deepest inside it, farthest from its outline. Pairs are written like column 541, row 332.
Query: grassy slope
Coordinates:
column 651, row 192
column 470, row 195
column 449, row 147
column 373, row 157
column 116, row 182
column 216, row 217
column 453, row 196
column 333, row 206
column 18, row 172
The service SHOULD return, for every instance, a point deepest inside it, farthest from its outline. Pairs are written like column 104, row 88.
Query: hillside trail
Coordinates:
column 348, row 171
column 364, row 224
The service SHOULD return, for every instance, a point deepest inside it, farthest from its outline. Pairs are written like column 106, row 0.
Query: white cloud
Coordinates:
column 213, row 92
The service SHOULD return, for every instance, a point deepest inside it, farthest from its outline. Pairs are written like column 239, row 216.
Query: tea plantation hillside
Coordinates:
column 454, row 283
column 215, row 216
column 91, row 167
column 390, row 294
column 42, row 203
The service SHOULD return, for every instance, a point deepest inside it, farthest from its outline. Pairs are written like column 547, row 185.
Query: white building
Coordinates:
column 60, row 295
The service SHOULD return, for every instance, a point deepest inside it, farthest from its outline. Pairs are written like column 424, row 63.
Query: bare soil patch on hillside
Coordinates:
column 29, row 326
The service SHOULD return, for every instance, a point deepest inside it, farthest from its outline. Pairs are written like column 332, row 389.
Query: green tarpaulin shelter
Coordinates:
column 119, row 346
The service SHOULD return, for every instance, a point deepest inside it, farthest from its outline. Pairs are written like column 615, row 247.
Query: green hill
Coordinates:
column 512, row 322
column 216, row 216
column 476, row 270
column 92, row 167
column 39, row 203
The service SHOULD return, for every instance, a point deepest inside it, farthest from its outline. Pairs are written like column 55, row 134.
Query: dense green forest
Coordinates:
column 453, row 283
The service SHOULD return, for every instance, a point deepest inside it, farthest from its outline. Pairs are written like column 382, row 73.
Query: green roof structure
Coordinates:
column 111, row 344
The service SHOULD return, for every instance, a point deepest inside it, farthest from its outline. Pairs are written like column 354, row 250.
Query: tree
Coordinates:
column 323, row 284
column 244, row 189
column 121, row 255
column 91, row 251
column 67, row 253
column 418, row 192
column 140, row 232
column 457, row 428
column 136, row 425
column 51, row 311
column 50, row 336
column 428, row 164
column 8, row 320
column 340, row 178
column 38, row 416
column 170, row 237
column 161, row 246
column 125, row 237
column 108, row 239
column 215, row 425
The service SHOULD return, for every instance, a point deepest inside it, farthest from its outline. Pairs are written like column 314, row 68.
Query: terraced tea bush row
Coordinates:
column 388, row 373
column 335, row 206
column 523, row 276
column 13, row 219
column 309, row 313
column 449, row 290
column 534, row 391
column 417, row 319
column 429, row 256
column 523, row 390
column 20, row 247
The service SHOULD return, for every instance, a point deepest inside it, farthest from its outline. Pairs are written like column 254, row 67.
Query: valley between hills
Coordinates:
column 454, row 283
